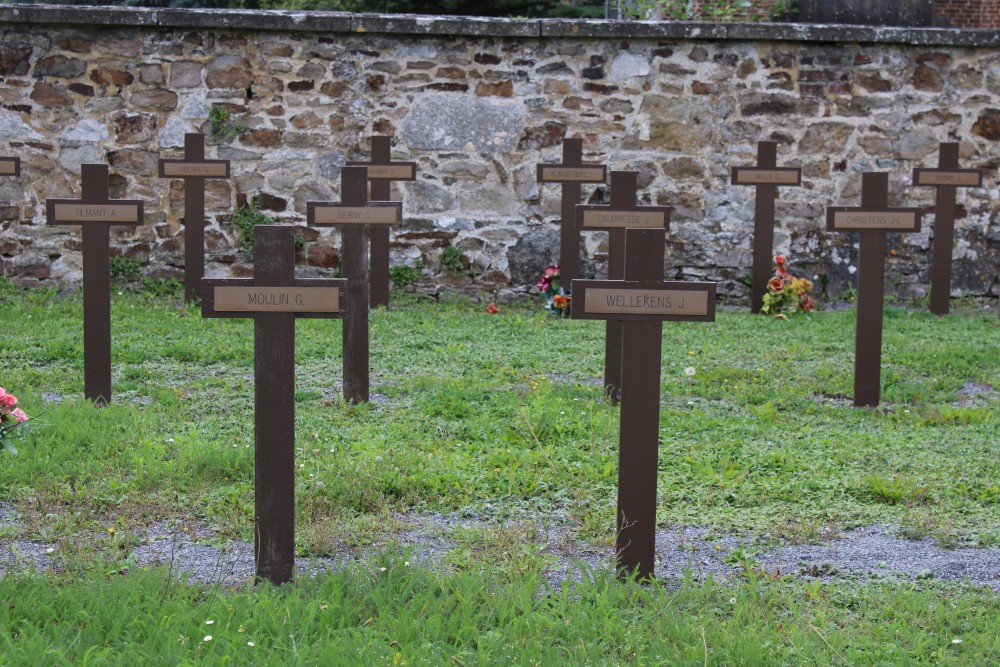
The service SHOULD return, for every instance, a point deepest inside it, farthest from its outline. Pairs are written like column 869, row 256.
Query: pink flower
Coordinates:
column 779, row 260
column 7, row 401
column 18, row 415
column 776, row 284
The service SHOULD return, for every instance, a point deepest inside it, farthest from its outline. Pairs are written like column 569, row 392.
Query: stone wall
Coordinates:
column 477, row 104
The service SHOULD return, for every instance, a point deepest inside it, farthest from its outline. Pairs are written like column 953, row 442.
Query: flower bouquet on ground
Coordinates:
column 785, row 292
column 11, row 417
column 557, row 299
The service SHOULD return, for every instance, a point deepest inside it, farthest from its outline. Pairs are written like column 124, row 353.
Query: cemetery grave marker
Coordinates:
column 194, row 169
column 355, row 213
column 381, row 172
column 766, row 177
column 946, row 178
column 572, row 173
column 95, row 213
column 273, row 298
column 10, row 166
column 639, row 303
column 620, row 214
column 874, row 218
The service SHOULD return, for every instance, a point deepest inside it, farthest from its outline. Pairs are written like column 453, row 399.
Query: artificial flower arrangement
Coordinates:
column 557, row 299
column 785, row 292
column 11, row 417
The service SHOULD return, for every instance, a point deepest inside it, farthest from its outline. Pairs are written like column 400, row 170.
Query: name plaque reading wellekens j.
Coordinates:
column 646, row 302
column 625, row 219
column 557, row 174
column 751, row 176
column 893, row 220
column 9, row 167
column 181, row 169
column 965, row 177
column 96, row 213
column 396, row 172
column 356, row 215
column 278, row 299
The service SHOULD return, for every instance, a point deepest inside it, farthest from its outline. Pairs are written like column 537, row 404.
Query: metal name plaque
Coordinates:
column 397, row 172
column 278, row 299
column 559, row 174
column 207, row 169
column 888, row 219
column 605, row 219
column 79, row 212
column 10, row 166
column 655, row 301
column 963, row 177
column 356, row 215
column 752, row 176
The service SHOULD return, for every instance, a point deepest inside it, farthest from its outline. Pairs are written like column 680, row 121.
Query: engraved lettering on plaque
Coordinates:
column 278, row 299
column 646, row 302
column 562, row 174
column 876, row 220
column 356, row 215
column 207, row 169
column 971, row 178
column 625, row 219
column 80, row 212
column 745, row 176
column 404, row 172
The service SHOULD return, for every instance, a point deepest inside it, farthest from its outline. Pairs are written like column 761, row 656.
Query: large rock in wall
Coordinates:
column 290, row 97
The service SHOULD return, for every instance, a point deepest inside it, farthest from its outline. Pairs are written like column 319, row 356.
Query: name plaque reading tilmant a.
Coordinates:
column 561, row 174
column 80, row 212
column 604, row 219
column 278, row 299
column 207, row 169
column 888, row 219
column 962, row 177
column 10, row 166
column 756, row 176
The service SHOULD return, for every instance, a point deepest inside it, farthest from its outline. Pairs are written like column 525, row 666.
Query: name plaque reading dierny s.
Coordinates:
column 559, row 174
column 207, row 169
column 965, row 178
column 751, row 176
column 396, row 172
column 96, row 213
column 646, row 302
column 356, row 215
column 278, row 299
column 9, row 167
column 896, row 220
column 625, row 219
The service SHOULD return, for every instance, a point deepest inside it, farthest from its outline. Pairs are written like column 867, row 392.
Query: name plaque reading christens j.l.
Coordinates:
column 894, row 220
column 560, row 174
column 278, row 299
column 68, row 213
column 176, row 169
column 376, row 213
column 603, row 219
column 10, row 166
column 755, row 176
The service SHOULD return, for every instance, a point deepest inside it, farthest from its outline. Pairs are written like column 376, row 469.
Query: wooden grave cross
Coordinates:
column 274, row 298
column 640, row 302
column 621, row 214
column 194, row 169
column 766, row 176
column 10, row 166
column 95, row 213
column 572, row 173
column 381, row 172
column 356, row 214
column 874, row 219
column 946, row 178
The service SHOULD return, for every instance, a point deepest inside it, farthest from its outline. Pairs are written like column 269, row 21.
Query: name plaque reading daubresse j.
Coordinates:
column 8, row 167
column 356, row 215
column 96, row 213
column 278, row 299
column 180, row 169
column 751, row 176
column 965, row 178
column 557, row 174
column 625, row 219
column 646, row 302
column 875, row 220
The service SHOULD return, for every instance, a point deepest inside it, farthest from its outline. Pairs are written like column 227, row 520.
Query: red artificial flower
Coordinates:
column 492, row 309
column 779, row 260
column 560, row 302
column 806, row 304
column 776, row 284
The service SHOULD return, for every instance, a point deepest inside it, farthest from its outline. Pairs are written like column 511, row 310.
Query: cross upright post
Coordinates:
column 194, row 169
column 274, row 298
column 356, row 214
column 874, row 218
column 381, row 172
column 10, row 166
column 640, row 302
column 947, row 178
column 621, row 214
column 766, row 176
column 95, row 213
column 572, row 173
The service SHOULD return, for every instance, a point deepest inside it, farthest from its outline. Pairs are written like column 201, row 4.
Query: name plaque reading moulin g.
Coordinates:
column 972, row 178
column 278, row 299
column 10, row 166
column 755, row 176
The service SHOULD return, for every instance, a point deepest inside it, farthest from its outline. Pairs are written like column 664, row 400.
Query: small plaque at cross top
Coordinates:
column 10, row 166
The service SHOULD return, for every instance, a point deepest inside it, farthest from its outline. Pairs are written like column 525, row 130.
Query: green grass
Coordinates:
column 503, row 416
